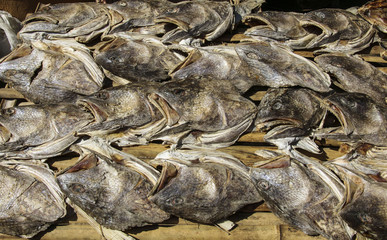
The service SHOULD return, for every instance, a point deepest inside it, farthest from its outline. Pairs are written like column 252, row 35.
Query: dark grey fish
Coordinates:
column 202, row 186
column 82, row 21
column 290, row 114
column 136, row 60
column 361, row 118
column 280, row 26
column 138, row 14
column 31, row 200
column 202, row 112
column 217, row 62
column 191, row 112
column 121, row 107
column 302, row 195
column 355, row 75
column 9, row 27
column 375, row 13
column 205, row 20
column 338, row 30
column 252, row 64
column 110, row 192
column 328, row 29
column 40, row 131
column 52, row 72
column 275, row 65
column 366, row 207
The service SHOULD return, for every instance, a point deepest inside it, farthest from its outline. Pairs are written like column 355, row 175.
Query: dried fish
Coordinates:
column 361, row 118
column 128, row 59
column 275, row 65
column 31, row 200
column 290, row 114
column 252, row 64
column 9, row 27
column 203, row 113
column 355, row 75
column 52, row 71
column 40, row 131
column 83, row 21
column 193, row 19
column 202, row 186
column 280, row 26
column 302, row 196
column 327, row 29
column 107, row 186
column 365, row 209
column 375, row 13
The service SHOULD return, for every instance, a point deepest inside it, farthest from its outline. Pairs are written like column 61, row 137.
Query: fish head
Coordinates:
column 135, row 60
column 195, row 191
column 19, row 123
column 136, row 9
column 76, row 182
column 205, row 103
column 276, row 25
column 119, row 54
column 184, row 15
column 96, row 184
column 126, row 104
column 76, row 14
column 297, row 107
column 31, row 199
column 375, row 13
column 357, row 113
column 282, row 183
column 83, row 21
column 196, row 19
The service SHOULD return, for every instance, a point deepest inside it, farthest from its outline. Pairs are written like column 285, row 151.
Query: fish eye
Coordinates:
column 352, row 104
column 172, row 10
column 252, row 55
column 102, row 95
column 174, row 201
column 123, row 4
column 77, row 188
column 263, row 185
column 277, row 105
column 179, row 91
column 8, row 111
column 112, row 58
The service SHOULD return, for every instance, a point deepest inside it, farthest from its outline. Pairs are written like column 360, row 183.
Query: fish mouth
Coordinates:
column 168, row 172
column 339, row 115
column 256, row 23
column 182, row 25
column 162, row 105
column 99, row 114
column 38, row 17
column 5, row 134
column 270, row 123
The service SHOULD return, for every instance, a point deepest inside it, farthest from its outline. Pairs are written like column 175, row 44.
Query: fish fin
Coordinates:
column 86, row 162
column 275, row 162
column 106, row 233
column 308, row 144
column 192, row 57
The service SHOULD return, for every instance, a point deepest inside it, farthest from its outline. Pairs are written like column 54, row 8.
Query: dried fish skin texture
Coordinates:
column 114, row 195
column 26, row 205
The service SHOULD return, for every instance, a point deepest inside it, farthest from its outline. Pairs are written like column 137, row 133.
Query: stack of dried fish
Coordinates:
column 98, row 77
